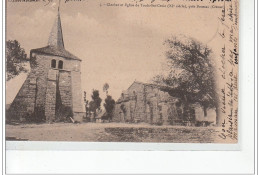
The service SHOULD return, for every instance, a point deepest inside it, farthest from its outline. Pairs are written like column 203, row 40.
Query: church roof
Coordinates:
column 56, row 37
column 49, row 50
column 55, row 43
column 127, row 97
column 161, row 87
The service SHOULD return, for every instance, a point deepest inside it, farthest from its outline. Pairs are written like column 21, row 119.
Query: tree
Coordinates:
column 95, row 102
column 192, row 74
column 15, row 59
column 86, row 102
column 109, row 106
column 105, row 88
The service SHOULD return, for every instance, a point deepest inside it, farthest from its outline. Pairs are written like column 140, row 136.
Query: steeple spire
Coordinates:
column 56, row 38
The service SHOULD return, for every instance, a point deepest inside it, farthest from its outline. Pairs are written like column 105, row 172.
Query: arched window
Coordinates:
column 53, row 63
column 60, row 66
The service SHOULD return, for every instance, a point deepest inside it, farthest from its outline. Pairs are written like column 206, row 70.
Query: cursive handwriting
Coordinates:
column 223, row 100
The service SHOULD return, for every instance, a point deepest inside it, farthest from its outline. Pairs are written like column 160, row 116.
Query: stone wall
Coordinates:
column 24, row 102
column 65, row 88
column 137, row 105
column 31, row 95
column 145, row 103
column 44, row 63
column 77, row 98
column 150, row 104
column 50, row 104
column 36, row 99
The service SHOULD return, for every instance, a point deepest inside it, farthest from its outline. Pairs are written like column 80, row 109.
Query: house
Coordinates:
column 150, row 103
column 52, row 90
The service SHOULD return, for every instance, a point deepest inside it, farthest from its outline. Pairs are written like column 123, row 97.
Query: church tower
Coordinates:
column 52, row 90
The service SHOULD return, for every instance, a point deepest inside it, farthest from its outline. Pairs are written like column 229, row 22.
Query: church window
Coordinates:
column 60, row 66
column 53, row 63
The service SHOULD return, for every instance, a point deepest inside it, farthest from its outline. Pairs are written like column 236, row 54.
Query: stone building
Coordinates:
column 52, row 90
column 149, row 103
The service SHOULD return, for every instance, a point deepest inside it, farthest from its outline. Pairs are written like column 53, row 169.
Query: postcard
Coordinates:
column 133, row 71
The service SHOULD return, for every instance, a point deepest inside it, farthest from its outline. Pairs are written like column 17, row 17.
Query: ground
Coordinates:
column 111, row 132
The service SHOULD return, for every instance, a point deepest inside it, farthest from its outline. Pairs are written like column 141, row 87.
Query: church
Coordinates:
column 153, row 104
column 52, row 91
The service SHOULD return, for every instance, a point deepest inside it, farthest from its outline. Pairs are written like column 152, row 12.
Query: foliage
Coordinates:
column 94, row 104
column 109, row 106
column 15, row 59
column 86, row 102
column 63, row 113
column 105, row 88
column 192, row 73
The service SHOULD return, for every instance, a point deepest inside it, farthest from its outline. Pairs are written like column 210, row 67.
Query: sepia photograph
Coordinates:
column 148, row 71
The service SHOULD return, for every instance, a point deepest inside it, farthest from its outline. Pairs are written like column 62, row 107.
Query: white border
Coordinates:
column 202, row 162
column 117, row 146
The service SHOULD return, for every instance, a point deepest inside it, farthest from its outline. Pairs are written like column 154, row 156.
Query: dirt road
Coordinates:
column 111, row 132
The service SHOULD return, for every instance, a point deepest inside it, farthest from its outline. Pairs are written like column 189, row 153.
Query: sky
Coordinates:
column 117, row 45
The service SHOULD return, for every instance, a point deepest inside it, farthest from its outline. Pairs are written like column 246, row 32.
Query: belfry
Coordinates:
column 52, row 90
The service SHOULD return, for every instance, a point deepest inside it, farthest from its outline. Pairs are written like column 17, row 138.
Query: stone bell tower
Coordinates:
column 52, row 90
